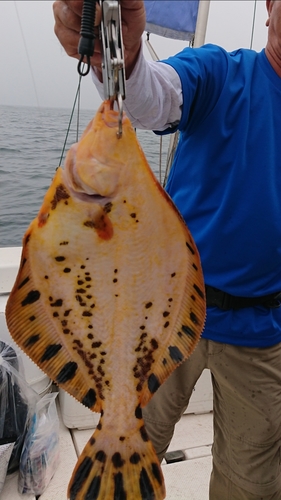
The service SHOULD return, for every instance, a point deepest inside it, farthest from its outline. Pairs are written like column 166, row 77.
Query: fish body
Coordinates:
column 108, row 301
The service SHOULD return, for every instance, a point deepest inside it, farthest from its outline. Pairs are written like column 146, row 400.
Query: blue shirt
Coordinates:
column 226, row 182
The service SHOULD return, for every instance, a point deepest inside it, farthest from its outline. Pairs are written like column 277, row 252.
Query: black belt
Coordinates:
column 225, row 301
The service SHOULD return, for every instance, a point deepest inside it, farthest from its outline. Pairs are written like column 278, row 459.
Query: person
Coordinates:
column 226, row 182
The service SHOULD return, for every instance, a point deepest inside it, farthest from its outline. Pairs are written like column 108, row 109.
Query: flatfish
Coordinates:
column 108, row 301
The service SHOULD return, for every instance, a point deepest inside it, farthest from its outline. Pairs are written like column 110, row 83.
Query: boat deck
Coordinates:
column 184, row 480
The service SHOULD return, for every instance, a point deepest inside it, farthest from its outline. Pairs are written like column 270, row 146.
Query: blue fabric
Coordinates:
column 172, row 18
column 226, row 182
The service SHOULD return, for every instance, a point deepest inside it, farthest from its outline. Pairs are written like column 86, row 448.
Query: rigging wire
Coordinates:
column 253, row 24
column 26, row 52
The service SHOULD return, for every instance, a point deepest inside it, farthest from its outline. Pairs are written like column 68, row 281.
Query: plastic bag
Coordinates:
column 17, row 404
column 40, row 454
column 5, row 455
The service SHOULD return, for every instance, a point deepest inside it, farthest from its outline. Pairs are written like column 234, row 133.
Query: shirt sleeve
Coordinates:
column 153, row 95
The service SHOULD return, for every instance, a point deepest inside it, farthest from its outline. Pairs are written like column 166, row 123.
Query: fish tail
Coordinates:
column 117, row 468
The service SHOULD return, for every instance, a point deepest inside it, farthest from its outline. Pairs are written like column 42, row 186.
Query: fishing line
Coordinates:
column 77, row 97
column 253, row 24
column 27, row 56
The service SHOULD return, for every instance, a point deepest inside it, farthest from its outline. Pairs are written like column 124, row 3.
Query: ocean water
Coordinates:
column 31, row 142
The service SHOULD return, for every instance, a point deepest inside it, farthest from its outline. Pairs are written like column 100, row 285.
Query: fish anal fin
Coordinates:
column 124, row 468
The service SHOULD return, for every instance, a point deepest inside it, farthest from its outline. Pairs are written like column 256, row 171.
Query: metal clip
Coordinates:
column 113, row 69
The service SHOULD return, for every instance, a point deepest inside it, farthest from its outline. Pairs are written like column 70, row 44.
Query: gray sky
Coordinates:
column 35, row 70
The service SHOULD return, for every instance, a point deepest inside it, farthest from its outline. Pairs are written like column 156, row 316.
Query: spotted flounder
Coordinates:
column 108, row 301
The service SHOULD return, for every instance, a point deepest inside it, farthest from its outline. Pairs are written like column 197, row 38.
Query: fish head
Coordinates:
column 96, row 163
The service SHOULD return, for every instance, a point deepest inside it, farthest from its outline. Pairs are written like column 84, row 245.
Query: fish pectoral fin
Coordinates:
column 124, row 468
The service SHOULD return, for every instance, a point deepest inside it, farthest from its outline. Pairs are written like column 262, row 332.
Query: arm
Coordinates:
column 153, row 90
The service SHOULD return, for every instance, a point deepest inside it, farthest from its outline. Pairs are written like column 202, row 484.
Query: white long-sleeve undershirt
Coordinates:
column 153, row 95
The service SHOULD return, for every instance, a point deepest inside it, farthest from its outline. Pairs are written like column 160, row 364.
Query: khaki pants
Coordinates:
column 247, row 417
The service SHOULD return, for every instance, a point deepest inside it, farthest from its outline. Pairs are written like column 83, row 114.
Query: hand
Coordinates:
column 68, row 14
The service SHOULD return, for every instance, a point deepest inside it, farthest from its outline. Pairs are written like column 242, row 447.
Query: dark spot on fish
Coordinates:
column 99, row 426
column 143, row 434
column 115, row 280
column 139, row 387
column 166, row 324
column 117, row 460
column 87, row 314
column 135, row 458
column 122, row 438
column 164, row 361
column 90, row 398
column 64, row 322
column 32, row 318
column 194, row 318
column 78, row 342
column 119, row 492
column 199, row 291
column 87, row 274
column 124, row 201
column 89, row 296
column 154, row 344
column 26, row 280
column 133, row 215
column 116, row 271
column 82, row 267
column 23, row 262
column 107, row 207
column 170, row 299
column 31, row 297
column 32, row 340
column 92, row 441
column 46, row 277
column 188, row 331
column 190, row 248
column 67, row 372
column 148, row 305
column 195, row 267
column 90, row 336
column 90, row 326
column 60, row 194
column 94, row 489
column 80, row 290
column 153, row 383
column 80, row 477
column 103, row 353
column 78, row 298
column 67, row 312
column 92, row 306
column 64, row 243
column 60, row 258
column 107, row 383
column 143, row 336
column 93, row 356
column 27, row 239
column 80, row 282
column 180, row 335
column 96, row 344
column 55, row 314
column 57, row 303
column 142, row 327
column 175, row 354
column 88, row 278
column 101, row 456
column 50, row 352
column 146, row 487
column 173, row 275
column 138, row 412
column 165, row 314
column 157, row 472
column 100, row 370
column 193, row 297
column 67, row 270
